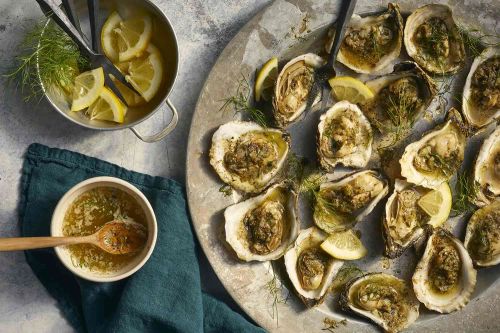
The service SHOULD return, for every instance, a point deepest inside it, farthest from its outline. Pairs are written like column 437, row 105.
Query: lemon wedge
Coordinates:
column 146, row 73
column 87, row 88
column 346, row 88
column 130, row 97
column 109, row 39
column 344, row 245
column 266, row 78
column 437, row 204
column 107, row 107
column 133, row 37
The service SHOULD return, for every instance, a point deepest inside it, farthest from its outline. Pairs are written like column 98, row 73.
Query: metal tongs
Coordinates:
column 70, row 24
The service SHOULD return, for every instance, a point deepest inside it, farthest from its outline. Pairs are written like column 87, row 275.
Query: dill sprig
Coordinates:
column 476, row 41
column 240, row 103
column 466, row 190
column 275, row 288
column 59, row 61
column 332, row 324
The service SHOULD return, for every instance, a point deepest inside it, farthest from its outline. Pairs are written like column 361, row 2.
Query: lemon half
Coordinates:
column 108, row 107
column 344, row 245
column 87, row 88
column 346, row 88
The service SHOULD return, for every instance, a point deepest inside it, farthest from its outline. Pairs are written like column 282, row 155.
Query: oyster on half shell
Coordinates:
column 487, row 170
column 382, row 298
column 432, row 39
column 344, row 137
column 248, row 156
column 482, row 238
column 261, row 228
column 311, row 270
column 444, row 278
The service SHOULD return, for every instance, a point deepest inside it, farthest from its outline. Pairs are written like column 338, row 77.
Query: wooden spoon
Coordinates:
column 115, row 237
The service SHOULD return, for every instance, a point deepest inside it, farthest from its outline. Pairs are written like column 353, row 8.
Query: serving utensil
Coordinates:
column 115, row 237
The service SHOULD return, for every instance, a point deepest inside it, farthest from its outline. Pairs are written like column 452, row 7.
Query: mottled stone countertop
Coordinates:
column 203, row 28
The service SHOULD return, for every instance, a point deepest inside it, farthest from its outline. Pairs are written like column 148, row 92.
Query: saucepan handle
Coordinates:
column 164, row 132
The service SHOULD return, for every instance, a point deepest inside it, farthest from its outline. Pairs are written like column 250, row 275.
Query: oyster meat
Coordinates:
column 444, row 278
column 261, row 228
column 371, row 43
column 344, row 137
column 248, row 156
column 291, row 92
column 311, row 270
column 340, row 203
column 482, row 238
column 487, row 170
column 400, row 98
column 481, row 96
column 433, row 40
column 434, row 159
column 382, row 298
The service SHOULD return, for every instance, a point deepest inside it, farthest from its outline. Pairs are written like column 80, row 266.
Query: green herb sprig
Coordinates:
column 275, row 288
column 466, row 190
column 475, row 41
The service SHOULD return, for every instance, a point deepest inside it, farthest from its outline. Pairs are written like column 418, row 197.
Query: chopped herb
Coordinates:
column 275, row 288
column 332, row 324
column 466, row 190
column 226, row 190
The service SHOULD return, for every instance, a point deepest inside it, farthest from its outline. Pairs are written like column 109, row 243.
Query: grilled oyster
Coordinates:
column 248, row 156
column 482, row 238
column 481, row 96
column 340, row 203
column 382, row 298
column 311, row 270
column 444, row 278
column 434, row 159
column 487, row 169
column 400, row 97
column 344, row 137
column 261, row 228
column 291, row 92
column 371, row 43
column 405, row 222
column 432, row 39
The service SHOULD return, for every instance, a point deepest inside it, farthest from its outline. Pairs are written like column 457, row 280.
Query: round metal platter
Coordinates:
column 286, row 29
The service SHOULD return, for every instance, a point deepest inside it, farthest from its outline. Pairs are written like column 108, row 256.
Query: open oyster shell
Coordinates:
column 248, row 156
column 482, row 238
column 487, row 169
column 341, row 203
column 434, row 159
column 432, row 39
column 344, row 137
column 444, row 278
column 371, row 43
column 293, row 85
column 261, row 228
column 481, row 96
column 382, row 298
column 402, row 96
column 311, row 270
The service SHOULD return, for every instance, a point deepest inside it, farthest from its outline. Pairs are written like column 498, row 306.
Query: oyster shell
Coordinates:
column 371, row 43
column 344, row 137
column 434, row 158
column 404, row 222
column 293, row 85
column 400, row 97
column 248, row 156
column 487, row 169
column 382, row 298
column 481, row 96
column 311, row 270
column 261, row 228
column 482, row 238
column 341, row 203
column 432, row 39
column 444, row 278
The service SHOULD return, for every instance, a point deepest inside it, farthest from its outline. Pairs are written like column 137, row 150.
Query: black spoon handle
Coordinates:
column 69, row 8
column 93, row 6
column 343, row 18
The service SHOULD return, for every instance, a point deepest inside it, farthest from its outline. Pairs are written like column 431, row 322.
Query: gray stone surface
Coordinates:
column 203, row 28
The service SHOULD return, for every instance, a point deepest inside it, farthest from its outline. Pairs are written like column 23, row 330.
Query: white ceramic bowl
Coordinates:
column 137, row 262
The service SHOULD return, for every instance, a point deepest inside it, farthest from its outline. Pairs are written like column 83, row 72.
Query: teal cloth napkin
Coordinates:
column 164, row 296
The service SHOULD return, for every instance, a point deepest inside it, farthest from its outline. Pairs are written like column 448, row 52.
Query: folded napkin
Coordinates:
column 163, row 296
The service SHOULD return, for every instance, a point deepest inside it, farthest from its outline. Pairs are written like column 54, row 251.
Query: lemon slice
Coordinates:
column 133, row 37
column 344, row 245
column 87, row 88
column 346, row 88
column 266, row 78
column 437, row 204
column 146, row 73
column 109, row 38
column 107, row 107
